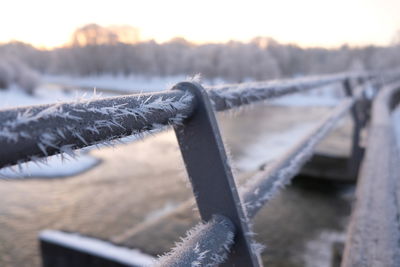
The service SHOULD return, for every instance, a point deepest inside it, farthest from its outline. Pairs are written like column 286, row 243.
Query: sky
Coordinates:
column 50, row 23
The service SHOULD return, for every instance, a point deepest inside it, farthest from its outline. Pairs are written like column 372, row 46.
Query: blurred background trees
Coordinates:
column 117, row 50
column 94, row 35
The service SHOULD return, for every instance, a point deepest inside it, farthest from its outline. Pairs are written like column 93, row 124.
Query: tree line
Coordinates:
column 96, row 50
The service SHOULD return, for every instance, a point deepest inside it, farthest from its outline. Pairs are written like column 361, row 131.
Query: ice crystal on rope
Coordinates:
column 206, row 244
column 109, row 118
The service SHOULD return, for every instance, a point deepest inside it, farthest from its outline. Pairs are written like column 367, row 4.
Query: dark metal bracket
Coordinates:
column 210, row 174
column 359, row 120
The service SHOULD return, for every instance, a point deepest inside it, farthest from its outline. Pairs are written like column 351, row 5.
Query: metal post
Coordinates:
column 210, row 174
column 359, row 120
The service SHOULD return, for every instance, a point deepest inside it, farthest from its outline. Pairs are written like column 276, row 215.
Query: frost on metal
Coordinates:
column 265, row 185
column 207, row 244
column 235, row 95
column 257, row 248
column 31, row 133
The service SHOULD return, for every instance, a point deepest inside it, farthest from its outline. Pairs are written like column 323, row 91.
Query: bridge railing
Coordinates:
column 31, row 133
column 374, row 231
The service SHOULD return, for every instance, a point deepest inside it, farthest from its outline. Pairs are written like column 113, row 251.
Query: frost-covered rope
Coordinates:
column 235, row 95
column 207, row 244
column 266, row 184
column 29, row 133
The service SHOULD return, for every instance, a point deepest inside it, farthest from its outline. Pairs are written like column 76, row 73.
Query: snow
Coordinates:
column 128, row 83
column 14, row 97
column 326, row 96
column 126, row 256
column 55, row 166
column 131, row 83
column 303, row 100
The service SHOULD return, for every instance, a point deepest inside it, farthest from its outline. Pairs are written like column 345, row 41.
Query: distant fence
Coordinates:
column 31, row 133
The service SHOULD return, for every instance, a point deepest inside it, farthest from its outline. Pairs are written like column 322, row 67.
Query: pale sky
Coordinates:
column 306, row 22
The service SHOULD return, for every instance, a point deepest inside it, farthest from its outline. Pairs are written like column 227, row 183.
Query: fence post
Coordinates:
column 359, row 120
column 210, row 174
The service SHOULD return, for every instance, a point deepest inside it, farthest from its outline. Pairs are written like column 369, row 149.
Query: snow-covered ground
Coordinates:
column 306, row 100
column 14, row 97
column 132, row 83
column 329, row 95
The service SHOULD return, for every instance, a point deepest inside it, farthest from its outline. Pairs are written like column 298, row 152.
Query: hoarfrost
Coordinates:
column 207, row 244
column 234, row 95
column 77, row 130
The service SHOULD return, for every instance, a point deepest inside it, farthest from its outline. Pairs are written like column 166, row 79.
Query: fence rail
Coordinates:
column 30, row 133
column 374, row 231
